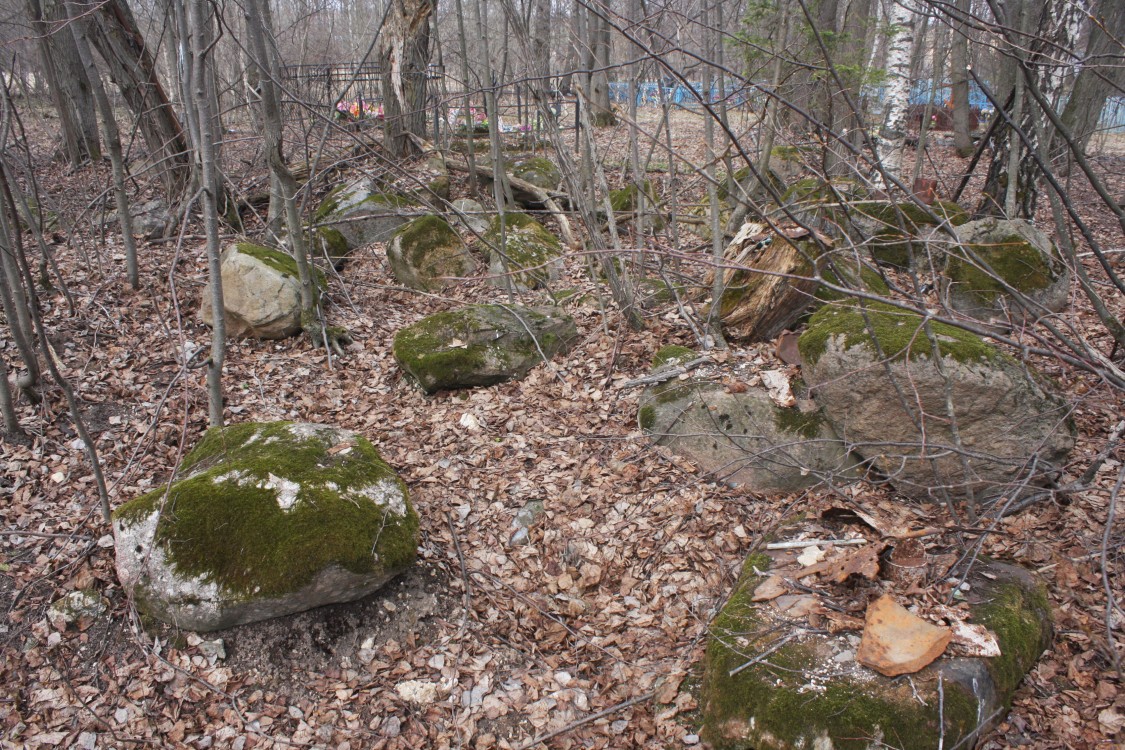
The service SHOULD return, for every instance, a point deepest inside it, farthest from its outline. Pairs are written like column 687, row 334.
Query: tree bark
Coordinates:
column 1102, row 73
column 900, row 48
column 959, row 92
column 66, row 79
column 114, row 33
column 404, row 55
column 113, row 144
column 601, row 109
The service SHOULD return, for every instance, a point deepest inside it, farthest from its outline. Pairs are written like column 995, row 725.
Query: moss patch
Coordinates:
column 1016, row 615
column 225, row 524
column 423, row 235
column 1014, row 263
column 539, row 171
column 806, row 424
column 528, row 247
column 899, row 333
column 625, row 199
column 280, row 261
column 672, row 353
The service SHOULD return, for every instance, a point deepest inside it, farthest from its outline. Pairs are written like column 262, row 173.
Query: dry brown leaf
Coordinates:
column 771, row 588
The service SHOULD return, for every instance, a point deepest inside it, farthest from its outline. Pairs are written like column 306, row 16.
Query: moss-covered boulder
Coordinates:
column 808, row 691
column 901, row 233
column 840, row 270
column 743, row 438
column 481, row 344
column 1005, row 268
column 261, row 292
column 523, row 254
column 538, row 170
column 426, row 253
column 626, row 202
column 884, row 389
column 362, row 213
column 264, row 520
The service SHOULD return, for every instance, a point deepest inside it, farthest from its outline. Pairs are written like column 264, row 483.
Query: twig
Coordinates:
column 467, row 592
column 1110, row 601
column 776, row 645
column 801, row 544
column 661, row 375
column 586, row 720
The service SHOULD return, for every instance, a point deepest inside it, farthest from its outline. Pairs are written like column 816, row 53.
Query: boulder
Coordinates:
column 625, row 203
column 524, row 255
column 265, row 519
column 470, row 214
column 426, row 253
column 996, row 255
column 362, row 213
column 261, row 292
column 538, row 170
column 807, row 689
column 890, row 407
column 898, row 234
column 481, row 344
column 744, row 437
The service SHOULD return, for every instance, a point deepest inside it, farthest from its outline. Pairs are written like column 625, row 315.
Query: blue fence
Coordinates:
column 652, row 94
column 1113, row 115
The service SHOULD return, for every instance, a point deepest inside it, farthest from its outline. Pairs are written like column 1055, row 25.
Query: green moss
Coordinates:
column 899, row 333
column 334, row 243
column 647, row 417
column 390, row 200
column 855, row 276
column 806, row 424
column 440, row 186
column 1015, row 614
column 538, row 171
column 625, row 199
column 329, row 204
column 425, row 344
column 528, row 247
column 280, row 261
column 1014, row 261
column 272, row 552
column 672, row 353
column 422, row 235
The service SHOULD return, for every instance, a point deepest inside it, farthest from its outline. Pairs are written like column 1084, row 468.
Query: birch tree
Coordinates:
column 900, row 48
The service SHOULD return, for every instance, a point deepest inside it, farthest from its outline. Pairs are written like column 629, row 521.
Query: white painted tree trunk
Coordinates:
column 900, row 47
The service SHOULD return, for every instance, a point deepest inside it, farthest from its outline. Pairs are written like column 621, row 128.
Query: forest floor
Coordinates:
column 607, row 605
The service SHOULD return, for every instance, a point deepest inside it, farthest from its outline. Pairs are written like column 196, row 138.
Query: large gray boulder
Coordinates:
column 773, row 682
column 1005, row 268
column 743, row 438
column 261, row 292
column 426, row 253
column 523, row 254
column 886, row 392
column 481, row 344
column 265, row 520
column 362, row 213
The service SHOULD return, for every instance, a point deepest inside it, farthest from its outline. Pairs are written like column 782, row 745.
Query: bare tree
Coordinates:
column 404, row 56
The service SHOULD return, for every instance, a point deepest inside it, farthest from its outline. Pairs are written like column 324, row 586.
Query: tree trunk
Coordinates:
column 1050, row 26
column 404, row 55
column 113, row 144
column 959, row 93
column 597, row 26
column 115, row 34
column 1102, row 73
column 66, row 79
column 900, row 48
column 200, row 106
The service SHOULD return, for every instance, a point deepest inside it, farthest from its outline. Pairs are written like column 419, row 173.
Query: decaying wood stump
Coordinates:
column 768, row 281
